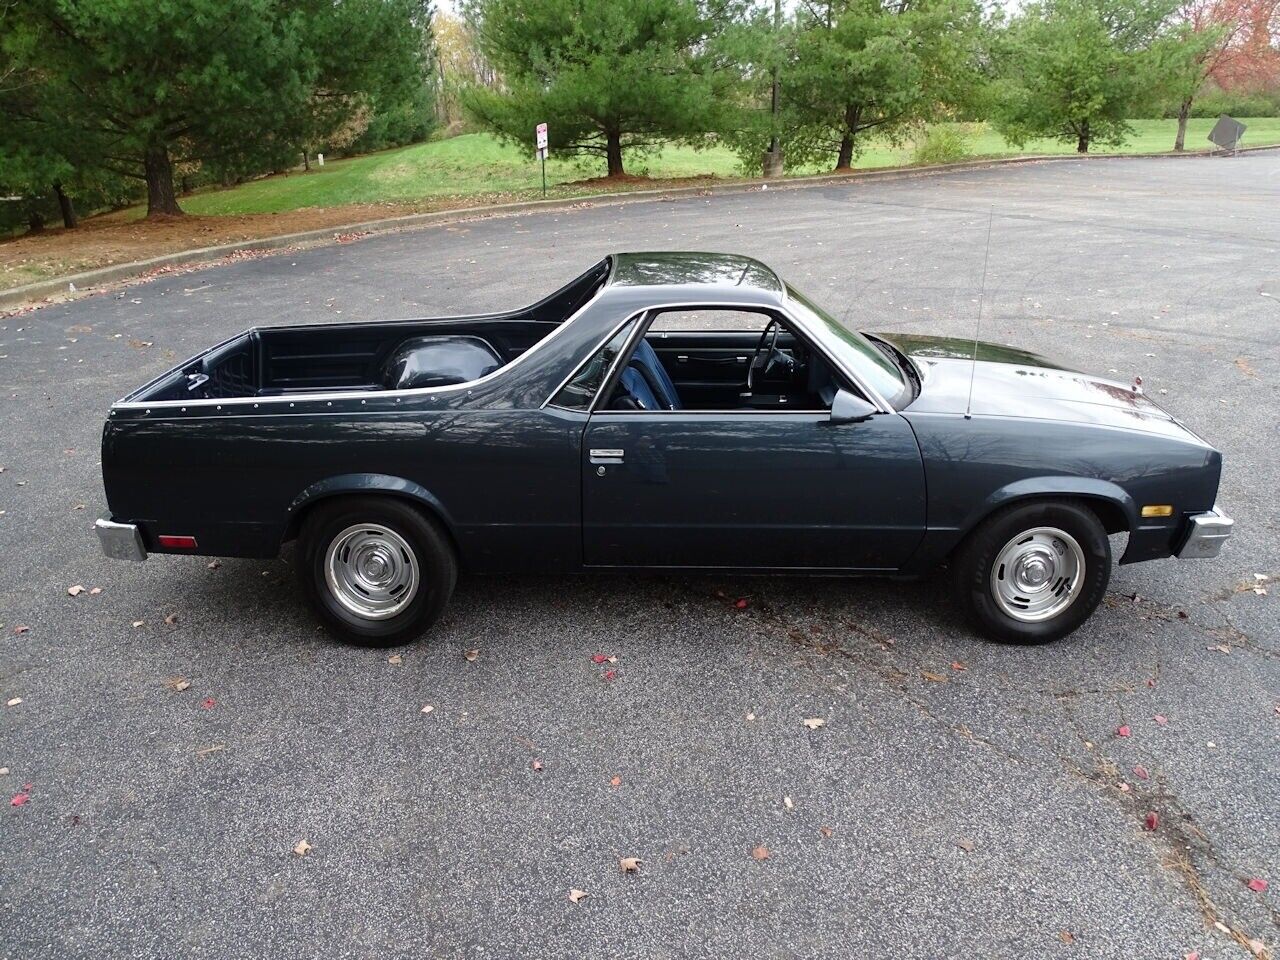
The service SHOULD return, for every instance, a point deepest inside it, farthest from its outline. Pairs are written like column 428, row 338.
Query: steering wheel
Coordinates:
column 768, row 346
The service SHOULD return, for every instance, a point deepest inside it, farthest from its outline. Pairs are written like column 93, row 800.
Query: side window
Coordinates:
column 709, row 321
column 579, row 391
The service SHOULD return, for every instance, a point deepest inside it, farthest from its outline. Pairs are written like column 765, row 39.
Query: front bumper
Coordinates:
column 1206, row 534
column 120, row 541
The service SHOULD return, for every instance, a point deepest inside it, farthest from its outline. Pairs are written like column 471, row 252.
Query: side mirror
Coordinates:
column 849, row 408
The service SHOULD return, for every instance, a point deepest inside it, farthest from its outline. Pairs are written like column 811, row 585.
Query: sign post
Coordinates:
column 542, row 154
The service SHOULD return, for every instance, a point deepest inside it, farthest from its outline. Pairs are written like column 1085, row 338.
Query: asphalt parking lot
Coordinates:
column 962, row 798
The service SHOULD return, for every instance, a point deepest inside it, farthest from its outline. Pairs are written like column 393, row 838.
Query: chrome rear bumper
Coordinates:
column 1206, row 534
column 120, row 541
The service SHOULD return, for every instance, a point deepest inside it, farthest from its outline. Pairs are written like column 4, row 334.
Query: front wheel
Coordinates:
column 376, row 570
column 1033, row 572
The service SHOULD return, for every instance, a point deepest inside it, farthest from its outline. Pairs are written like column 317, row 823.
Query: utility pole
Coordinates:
column 773, row 158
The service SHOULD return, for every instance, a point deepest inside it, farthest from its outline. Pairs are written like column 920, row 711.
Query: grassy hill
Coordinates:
column 477, row 165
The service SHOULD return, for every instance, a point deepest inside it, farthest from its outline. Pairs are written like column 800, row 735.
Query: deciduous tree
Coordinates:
column 1234, row 50
column 1076, row 70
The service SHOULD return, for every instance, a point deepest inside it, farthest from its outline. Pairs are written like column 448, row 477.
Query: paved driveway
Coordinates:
column 994, row 813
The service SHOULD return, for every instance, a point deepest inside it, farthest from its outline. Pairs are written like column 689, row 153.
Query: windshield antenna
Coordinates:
column 977, row 327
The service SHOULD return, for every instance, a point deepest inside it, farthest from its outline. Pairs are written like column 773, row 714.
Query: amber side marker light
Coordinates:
column 1158, row 510
column 170, row 542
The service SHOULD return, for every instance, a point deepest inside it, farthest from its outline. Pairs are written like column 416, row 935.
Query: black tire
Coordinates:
column 973, row 562
column 431, row 549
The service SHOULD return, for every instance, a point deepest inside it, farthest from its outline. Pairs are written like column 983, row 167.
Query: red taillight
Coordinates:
column 176, row 543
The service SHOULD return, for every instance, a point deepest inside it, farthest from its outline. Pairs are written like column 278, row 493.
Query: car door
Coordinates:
column 750, row 489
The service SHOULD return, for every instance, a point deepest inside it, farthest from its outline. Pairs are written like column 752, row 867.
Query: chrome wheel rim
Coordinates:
column 1036, row 576
column 371, row 571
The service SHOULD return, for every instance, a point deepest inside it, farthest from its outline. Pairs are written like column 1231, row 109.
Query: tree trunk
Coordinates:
column 66, row 206
column 306, row 162
column 1082, row 138
column 1184, row 111
column 161, row 199
column 844, row 159
column 613, row 153
column 35, row 222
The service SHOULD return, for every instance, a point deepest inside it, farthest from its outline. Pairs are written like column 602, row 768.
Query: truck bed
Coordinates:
column 345, row 357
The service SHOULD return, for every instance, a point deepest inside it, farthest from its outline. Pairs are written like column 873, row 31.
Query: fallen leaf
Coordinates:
column 1257, row 884
column 610, row 675
column 1123, row 731
column 615, row 782
column 137, row 623
column 171, row 619
column 537, row 766
column 75, row 591
column 1258, row 947
column 1124, row 788
column 1066, row 936
column 205, row 751
column 19, row 799
column 752, row 716
column 302, row 848
column 1141, row 772
column 95, row 591
column 1160, row 719
column 470, row 655
column 428, row 708
column 813, row 723
column 4, row 771
column 760, row 853
column 576, row 896
column 827, row 832
column 214, row 564
column 14, row 702
column 1193, row 955
column 630, row 864
column 208, row 703
column 395, row 660
column 20, row 629
column 1220, row 647
column 742, row 603
column 958, row 666
column 966, row 845
column 935, row 677
column 787, row 802
column 178, row 683
column 1152, row 820
column 599, row 658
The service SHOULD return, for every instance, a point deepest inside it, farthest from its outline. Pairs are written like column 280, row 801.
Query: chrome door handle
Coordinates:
column 606, row 456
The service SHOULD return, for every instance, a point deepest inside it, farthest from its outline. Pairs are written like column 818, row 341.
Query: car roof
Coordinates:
column 687, row 275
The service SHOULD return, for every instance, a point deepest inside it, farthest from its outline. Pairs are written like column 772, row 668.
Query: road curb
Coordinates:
column 86, row 282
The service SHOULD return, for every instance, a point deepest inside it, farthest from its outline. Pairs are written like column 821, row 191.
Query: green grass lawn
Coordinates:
column 478, row 166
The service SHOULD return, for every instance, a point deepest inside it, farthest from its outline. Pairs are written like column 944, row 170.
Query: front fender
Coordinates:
column 365, row 483
column 1086, row 488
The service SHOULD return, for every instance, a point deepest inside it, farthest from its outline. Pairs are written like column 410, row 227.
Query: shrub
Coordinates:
column 941, row 143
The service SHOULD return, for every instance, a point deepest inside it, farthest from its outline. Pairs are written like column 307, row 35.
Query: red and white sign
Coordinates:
column 542, row 136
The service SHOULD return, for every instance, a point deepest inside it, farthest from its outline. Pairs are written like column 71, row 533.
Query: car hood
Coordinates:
column 1008, row 382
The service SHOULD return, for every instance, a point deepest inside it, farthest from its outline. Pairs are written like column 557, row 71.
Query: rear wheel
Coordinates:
column 376, row 570
column 1034, row 572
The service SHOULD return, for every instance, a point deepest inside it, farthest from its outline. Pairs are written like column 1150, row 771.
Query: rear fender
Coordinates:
column 349, row 484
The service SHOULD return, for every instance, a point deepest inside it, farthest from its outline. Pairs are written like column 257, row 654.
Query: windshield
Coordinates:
column 872, row 366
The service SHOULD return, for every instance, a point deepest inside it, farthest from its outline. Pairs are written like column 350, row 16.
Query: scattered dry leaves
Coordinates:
column 1257, row 884
column 965, row 844
column 615, row 782
column 1067, row 937
column 14, row 702
column 933, row 677
column 75, row 591
column 178, row 683
column 1151, row 821
column 577, row 896
column 536, row 766
column 760, row 853
column 395, row 660
column 827, row 832
column 470, row 655
column 630, row 864
column 171, row 619
column 302, row 848
column 1123, row 731
column 428, row 708
column 813, row 723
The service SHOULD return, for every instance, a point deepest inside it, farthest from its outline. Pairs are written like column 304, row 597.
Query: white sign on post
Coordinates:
column 542, row 139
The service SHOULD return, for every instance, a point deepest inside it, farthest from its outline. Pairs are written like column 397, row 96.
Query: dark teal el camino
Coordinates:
column 662, row 412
